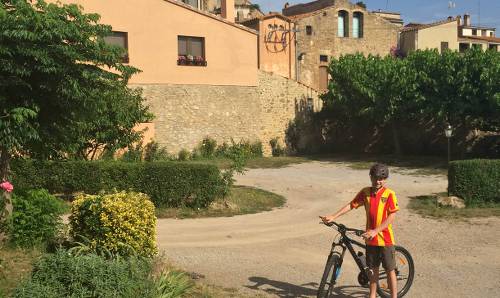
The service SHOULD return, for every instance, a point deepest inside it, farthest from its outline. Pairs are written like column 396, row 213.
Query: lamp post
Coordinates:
column 448, row 131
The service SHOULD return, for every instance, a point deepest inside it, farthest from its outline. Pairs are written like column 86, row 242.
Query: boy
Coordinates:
column 381, row 206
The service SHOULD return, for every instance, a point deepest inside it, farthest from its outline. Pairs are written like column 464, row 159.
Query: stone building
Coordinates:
column 332, row 28
column 201, row 77
column 393, row 17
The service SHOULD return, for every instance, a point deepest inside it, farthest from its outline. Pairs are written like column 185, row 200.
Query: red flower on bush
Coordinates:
column 7, row 186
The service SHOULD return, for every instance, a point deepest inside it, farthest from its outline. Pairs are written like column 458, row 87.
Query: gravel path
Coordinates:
column 281, row 253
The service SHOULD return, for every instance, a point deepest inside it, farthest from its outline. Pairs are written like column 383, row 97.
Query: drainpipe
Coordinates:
column 296, row 54
column 289, row 50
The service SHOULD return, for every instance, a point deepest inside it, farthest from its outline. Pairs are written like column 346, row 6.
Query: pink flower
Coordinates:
column 7, row 186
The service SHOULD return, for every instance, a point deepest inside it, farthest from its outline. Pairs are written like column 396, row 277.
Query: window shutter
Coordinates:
column 355, row 27
column 182, row 45
column 197, row 47
column 340, row 26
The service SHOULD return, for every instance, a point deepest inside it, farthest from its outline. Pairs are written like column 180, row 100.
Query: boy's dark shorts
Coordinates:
column 384, row 254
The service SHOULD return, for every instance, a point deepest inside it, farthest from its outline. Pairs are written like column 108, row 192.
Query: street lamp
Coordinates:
column 448, row 131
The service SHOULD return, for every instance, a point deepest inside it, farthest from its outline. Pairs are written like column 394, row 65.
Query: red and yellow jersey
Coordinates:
column 378, row 206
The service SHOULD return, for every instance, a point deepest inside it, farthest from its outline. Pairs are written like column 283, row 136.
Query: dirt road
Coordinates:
column 281, row 253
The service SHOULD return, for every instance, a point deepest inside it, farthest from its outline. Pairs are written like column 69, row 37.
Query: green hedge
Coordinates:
column 477, row 181
column 36, row 218
column 168, row 184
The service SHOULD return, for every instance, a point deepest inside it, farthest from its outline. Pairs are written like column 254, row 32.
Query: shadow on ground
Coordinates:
column 284, row 289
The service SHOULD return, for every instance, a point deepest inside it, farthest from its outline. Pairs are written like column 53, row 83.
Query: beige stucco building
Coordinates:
column 154, row 30
column 200, row 73
column 453, row 33
column 332, row 28
column 276, row 45
column 244, row 9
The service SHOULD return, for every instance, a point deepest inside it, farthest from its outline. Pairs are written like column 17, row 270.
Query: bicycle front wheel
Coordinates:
column 332, row 270
column 405, row 270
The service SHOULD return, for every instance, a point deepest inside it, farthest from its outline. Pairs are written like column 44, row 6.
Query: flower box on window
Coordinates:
column 191, row 61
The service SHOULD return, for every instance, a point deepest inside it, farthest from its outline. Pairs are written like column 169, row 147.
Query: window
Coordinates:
column 474, row 32
column 483, row 32
column 309, row 30
column 119, row 39
column 323, row 78
column 477, row 46
column 462, row 47
column 191, row 51
column 493, row 47
column 193, row 3
column 343, row 24
column 357, row 25
column 444, row 46
column 323, row 58
column 310, row 104
column 491, row 34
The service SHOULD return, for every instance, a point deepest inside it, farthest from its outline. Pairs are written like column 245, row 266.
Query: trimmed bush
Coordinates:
column 64, row 275
column 122, row 223
column 276, row 148
column 36, row 218
column 168, row 184
column 477, row 181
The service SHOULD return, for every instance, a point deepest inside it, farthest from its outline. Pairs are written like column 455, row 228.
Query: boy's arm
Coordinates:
column 332, row 217
column 372, row 233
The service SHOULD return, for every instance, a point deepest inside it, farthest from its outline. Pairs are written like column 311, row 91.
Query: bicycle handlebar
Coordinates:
column 343, row 229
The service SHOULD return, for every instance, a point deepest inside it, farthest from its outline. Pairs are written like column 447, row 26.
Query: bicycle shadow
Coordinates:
column 284, row 289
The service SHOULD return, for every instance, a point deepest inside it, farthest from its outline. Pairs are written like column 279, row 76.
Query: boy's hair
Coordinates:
column 379, row 170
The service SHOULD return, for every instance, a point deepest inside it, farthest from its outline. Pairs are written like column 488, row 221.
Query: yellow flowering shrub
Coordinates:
column 122, row 222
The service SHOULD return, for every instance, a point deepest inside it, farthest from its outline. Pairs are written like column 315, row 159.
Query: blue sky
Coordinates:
column 419, row 11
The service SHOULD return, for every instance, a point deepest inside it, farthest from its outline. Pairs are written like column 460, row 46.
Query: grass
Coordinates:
column 275, row 162
column 255, row 163
column 15, row 265
column 242, row 200
column 200, row 289
column 427, row 206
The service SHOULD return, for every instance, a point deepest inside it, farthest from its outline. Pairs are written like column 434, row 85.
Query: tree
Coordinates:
column 361, row 4
column 63, row 90
column 380, row 90
column 426, row 90
column 460, row 89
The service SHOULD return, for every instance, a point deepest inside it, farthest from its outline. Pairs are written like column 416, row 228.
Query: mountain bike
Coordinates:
column 405, row 268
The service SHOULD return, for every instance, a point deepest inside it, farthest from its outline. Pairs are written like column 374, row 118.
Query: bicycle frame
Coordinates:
column 347, row 244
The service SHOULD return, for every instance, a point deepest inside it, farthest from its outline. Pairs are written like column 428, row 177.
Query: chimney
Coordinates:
column 459, row 20
column 466, row 20
column 227, row 10
column 286, row 5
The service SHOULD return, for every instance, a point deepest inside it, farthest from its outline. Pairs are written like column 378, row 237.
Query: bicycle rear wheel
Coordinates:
column 332, row 270
column 405, row 270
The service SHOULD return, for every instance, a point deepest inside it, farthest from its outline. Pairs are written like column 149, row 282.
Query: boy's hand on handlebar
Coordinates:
column 326, row 219
column 369, row 234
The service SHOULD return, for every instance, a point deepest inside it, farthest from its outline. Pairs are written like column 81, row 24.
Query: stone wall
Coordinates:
column 379, row 35
column 185, row 114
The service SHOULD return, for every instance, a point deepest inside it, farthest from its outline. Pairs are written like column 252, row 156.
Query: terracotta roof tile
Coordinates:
column 482, row 38
column 413, row 26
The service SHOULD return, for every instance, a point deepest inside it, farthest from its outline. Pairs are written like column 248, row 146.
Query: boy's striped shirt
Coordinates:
column 378, row 206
